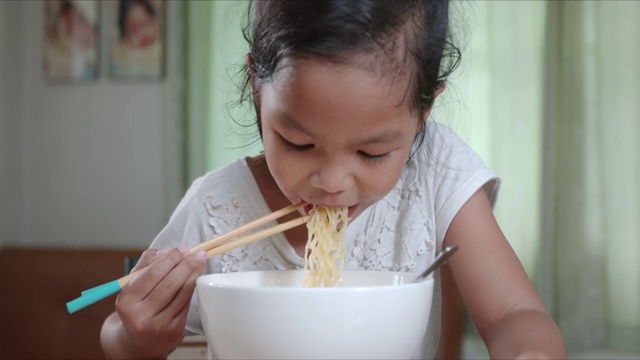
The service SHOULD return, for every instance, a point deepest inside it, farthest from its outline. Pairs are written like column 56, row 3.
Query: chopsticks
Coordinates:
column 213, row 247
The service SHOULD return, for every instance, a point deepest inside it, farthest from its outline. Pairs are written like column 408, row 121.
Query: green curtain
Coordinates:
column 494, row 103
column 591, row 236
column 548, row 94
column 216, row 126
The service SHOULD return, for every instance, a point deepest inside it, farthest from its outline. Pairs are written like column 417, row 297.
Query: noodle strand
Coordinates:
column 326, row 248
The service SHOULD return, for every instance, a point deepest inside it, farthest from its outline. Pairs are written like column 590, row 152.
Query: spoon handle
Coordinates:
column 444, row 255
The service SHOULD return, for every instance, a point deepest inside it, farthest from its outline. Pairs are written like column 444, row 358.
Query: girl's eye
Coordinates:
column 296, row 147
column 375, row 158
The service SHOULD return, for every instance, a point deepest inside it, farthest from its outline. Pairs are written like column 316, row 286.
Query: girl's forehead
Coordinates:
column 318, row 90
column 386, row 72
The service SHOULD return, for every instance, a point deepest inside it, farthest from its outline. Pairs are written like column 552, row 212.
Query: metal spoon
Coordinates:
column 444, row 255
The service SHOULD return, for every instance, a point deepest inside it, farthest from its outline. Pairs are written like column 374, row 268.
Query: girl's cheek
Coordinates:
column 294, row 171
column 283, row 169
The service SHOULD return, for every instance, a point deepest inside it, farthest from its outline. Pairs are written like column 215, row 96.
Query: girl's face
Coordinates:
column 335, row 135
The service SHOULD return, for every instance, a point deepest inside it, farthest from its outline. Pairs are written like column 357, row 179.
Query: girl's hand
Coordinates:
column 153, row 307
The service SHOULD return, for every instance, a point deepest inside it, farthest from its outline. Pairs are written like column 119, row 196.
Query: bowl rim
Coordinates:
column 204, row 281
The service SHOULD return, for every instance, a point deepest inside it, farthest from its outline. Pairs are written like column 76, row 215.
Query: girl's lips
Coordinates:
column 307, row 209
column 351, row 210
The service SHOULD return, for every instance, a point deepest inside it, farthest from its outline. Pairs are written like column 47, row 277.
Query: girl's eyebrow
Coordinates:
column 382, row 137
column 288, row 121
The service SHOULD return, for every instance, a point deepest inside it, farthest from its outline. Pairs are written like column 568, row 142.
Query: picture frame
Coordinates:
column 136, row 39
column 71, row 40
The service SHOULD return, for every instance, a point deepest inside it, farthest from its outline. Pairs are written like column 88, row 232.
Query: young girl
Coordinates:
column 342, row 92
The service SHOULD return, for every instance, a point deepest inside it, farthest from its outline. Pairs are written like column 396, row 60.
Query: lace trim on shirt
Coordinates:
column 397, row 235
column 260, row 255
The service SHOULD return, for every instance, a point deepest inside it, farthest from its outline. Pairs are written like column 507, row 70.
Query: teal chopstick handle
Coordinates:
column 97, row 288
column 93, row 295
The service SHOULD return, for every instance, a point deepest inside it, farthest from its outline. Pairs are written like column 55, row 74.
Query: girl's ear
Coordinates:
column 427, row 112
column 439, row 90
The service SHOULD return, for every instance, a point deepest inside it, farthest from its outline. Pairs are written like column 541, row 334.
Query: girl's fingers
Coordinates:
column 161, row 267
column 177, row 287
column 161, row 290
column 154, row 305
column 180, row 319
column 185, row 288
column 148, row 257
column 150, row 275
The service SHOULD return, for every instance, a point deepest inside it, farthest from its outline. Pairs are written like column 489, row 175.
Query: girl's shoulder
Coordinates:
column 442, row 175
column 233, row 177
column 231, row 184
column 442, row 146
column 216, row 202
column 439, row 156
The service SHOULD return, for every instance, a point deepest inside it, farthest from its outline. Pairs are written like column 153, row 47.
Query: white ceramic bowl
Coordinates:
column 270, row 315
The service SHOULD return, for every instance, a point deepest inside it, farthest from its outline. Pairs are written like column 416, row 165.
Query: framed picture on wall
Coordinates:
column 136, row 39
column 71, row 40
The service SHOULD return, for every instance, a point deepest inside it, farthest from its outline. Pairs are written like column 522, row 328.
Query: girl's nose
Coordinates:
column 332, row 178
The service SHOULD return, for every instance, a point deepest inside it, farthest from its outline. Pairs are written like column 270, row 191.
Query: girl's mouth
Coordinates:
column 351, row 210
column 307, row 209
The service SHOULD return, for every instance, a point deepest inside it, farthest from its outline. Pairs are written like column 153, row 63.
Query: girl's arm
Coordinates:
column 452, row 324
column 151, row 311
column 500, row 297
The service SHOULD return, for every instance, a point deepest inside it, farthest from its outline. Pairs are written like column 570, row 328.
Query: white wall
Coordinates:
column 10, row 125
column 100, row 161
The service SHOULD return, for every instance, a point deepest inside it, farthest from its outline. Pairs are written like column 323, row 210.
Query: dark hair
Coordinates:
column 406, row 32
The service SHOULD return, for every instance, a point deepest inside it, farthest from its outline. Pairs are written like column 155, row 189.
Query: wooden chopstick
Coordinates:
column 213, row 247
column 227, row 238
column 217, row 250
column 247, row 227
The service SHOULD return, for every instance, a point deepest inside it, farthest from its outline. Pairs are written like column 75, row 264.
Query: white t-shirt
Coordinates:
column 402, row 232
